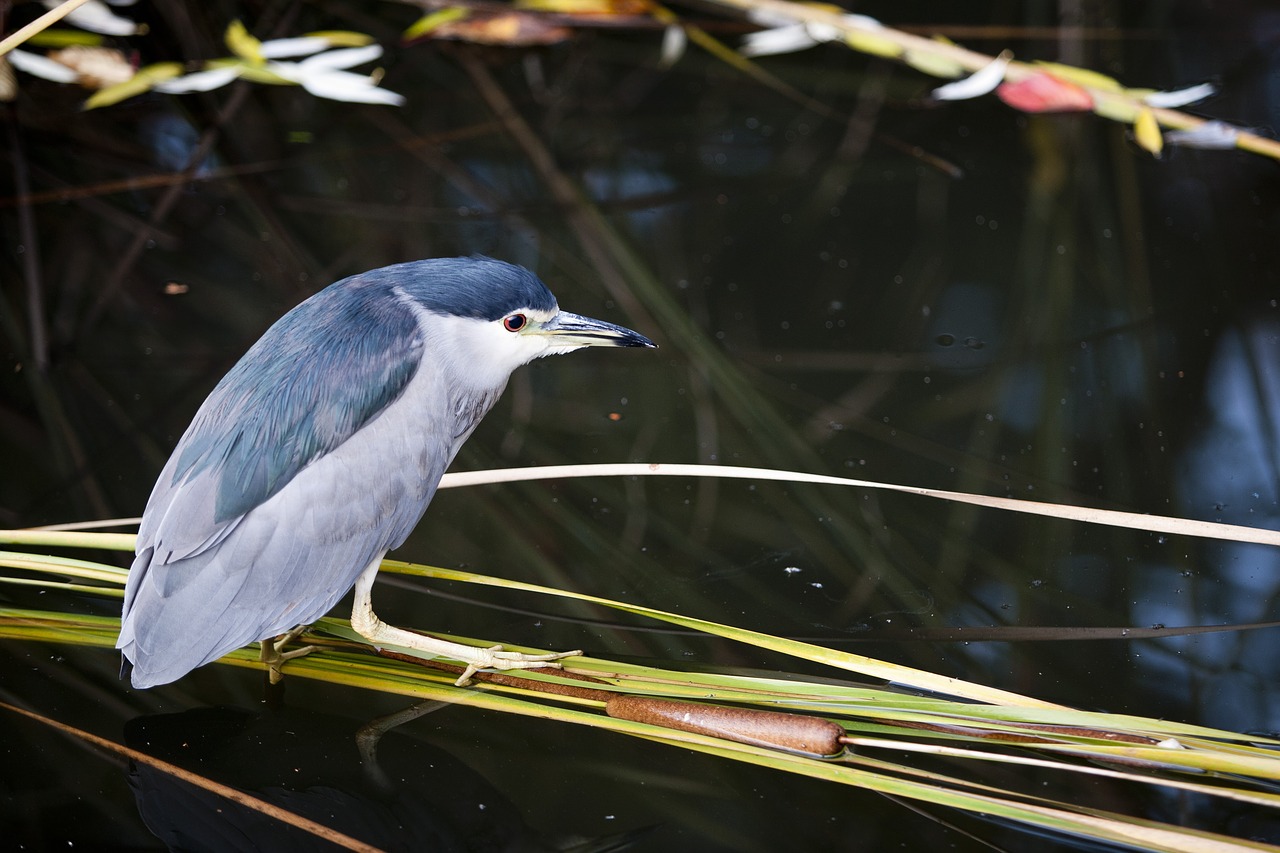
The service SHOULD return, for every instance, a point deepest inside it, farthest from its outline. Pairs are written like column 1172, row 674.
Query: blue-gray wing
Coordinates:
column 306, row 463
column 313, row 379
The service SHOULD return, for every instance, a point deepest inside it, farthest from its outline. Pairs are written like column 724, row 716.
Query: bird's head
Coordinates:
column 487, row 317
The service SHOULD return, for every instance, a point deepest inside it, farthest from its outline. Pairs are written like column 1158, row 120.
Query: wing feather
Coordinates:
column 286, row 486
column 314, row 378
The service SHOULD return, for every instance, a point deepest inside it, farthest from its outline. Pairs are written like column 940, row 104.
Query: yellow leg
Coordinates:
column 367, row 624
column 274, row 655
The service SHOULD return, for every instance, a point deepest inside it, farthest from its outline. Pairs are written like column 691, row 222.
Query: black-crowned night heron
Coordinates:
column 319, row 452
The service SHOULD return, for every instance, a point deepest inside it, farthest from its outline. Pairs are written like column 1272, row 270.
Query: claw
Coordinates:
column 272, row 652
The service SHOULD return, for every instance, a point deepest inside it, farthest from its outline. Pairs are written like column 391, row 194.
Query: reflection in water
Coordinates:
column 1229, row 473
column 417, row 798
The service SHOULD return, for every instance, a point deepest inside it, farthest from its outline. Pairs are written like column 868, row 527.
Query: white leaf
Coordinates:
column 345, row 86
column 981, row 82
column 789, row 37
column 1180, row 97
column 347, row 57
column 768, row 18
column 301, row 46
column 822, row 32
column 290, row 71
column 786, row 39
column 674, row 42
column 95, row 17
column 1211, row 135
column 200, row 81
column 41, row 66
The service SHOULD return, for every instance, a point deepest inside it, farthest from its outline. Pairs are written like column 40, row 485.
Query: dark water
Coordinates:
column 1060, row 317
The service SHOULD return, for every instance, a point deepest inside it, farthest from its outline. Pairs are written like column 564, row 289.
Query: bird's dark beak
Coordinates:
column 573, row 330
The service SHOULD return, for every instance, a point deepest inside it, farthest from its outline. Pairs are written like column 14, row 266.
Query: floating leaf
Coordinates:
column 265, row 74
column 200, row 81
column 353, row 88
column 933, row 64
column 323, row 75
column 674, row 43
column 776, row 40
column 144, row 81
column 347, row 57
column 787, row 36
column 1213, row 135
column 97, row 17
column 1117, row 107
column 244, row 45
column 95, row 67
column 1082, row 76
column 980, row 82
column 288, row 48
column 436, row 19
column 508, row 29
column 64, row 38
column 1146, row 132
column 343, row 38
column 1180, row 97
column 41, row 66
column 873, row 44
column 1044, row 93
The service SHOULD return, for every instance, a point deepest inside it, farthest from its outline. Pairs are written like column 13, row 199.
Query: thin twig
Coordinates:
column 41, row 23
column 248, row 801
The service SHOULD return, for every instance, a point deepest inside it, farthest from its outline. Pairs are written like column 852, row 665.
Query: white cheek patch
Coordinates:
column 480, row 353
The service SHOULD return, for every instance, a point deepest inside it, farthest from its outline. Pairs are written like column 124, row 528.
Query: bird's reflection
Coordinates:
column 414, row 796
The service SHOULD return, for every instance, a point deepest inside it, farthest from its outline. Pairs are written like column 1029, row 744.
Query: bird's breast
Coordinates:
column 469, row 409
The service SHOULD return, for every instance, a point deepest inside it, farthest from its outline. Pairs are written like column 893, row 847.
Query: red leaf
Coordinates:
column 1044, row 93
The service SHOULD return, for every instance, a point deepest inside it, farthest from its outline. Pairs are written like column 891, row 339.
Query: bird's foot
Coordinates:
column 495, row 657
column 274, row 656
column 367, row 624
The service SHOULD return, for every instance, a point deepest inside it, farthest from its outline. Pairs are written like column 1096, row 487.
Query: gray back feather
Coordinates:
column 300, row 469
column 318, row 375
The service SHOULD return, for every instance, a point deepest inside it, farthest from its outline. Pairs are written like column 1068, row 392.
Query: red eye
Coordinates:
column 514, row 323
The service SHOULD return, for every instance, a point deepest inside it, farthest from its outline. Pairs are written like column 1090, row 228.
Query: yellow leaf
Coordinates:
column 930, row 63
column 159, row 72
column 249, row 71
column 254, row 74
column 1116, row 108
column 1082, row 76
column 1146, row 132
column 139, row 84
column 435, row 20
column 873, row 44
column 63, row 38
column 343, row 38
column 244, row 45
